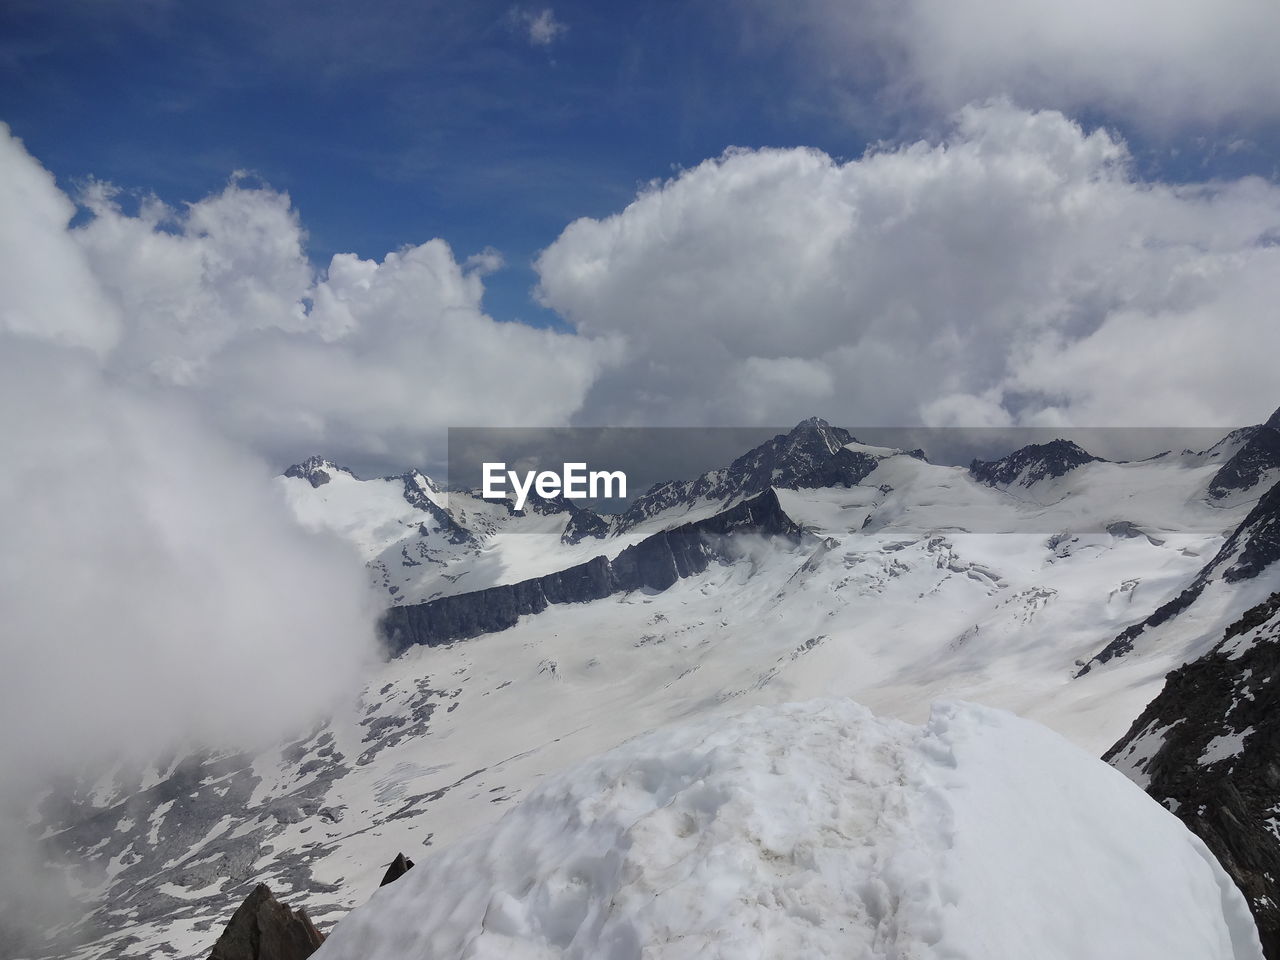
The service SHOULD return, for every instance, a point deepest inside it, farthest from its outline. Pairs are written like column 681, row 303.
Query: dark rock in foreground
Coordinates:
column 398, row 868
column 1208, row 748
column 263, row 928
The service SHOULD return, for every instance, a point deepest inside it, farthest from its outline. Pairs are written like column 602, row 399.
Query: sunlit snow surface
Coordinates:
column 818, row 830
column 918, row 584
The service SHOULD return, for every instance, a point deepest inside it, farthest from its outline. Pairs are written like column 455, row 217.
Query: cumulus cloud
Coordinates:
column 37, row 256
column 368, row 361
column 1151, row 61
column 1017, row 271
column 155, row 589
column 157, row 367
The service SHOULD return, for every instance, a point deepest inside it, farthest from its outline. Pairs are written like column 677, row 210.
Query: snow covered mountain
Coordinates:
column 529, row 641
column 1228, row 584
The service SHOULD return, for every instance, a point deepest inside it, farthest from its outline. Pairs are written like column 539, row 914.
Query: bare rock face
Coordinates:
column 1207, row 749
column 656, row 563
column 263, row 928
column 1032, row 464
column 1256, row 458
column 399, row 867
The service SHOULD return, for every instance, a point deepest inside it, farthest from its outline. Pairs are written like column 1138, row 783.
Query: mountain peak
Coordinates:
column 1032, row 463
column 1256, row 460
column 316, row 470
column 810, row 423
column 781, row 461
column 263, row 928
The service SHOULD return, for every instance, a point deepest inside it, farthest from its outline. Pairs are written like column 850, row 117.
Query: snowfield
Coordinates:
column 914, row 583
column 820, row 830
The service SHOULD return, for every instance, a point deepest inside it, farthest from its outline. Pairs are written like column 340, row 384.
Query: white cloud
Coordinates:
column 156, row 590
column 1016, row 271
column 1153, row 61
column 48, row 288
column 540, row 27
column 405, row 351
column 369, row 361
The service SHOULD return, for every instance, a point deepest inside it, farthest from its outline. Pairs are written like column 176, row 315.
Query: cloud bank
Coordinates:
column 367, row 362
column 1156, row 63
column 155, row 590
column 1017, row 271
column 1014, row 270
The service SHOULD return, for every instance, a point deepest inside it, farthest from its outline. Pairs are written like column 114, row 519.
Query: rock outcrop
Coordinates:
column 1031, row 464
column 263, row 928
column 1257, row 457
column 1208, row 748
column 779, row 462
column 317, row 471
column 397, row 869
column 655, row 563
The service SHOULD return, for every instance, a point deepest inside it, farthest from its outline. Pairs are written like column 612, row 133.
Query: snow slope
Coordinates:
column 817, row 830
column 917, row 582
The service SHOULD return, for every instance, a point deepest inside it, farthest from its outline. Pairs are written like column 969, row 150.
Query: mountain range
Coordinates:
column 1050, row 582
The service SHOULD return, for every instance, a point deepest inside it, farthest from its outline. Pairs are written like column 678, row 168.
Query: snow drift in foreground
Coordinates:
column 819, row 830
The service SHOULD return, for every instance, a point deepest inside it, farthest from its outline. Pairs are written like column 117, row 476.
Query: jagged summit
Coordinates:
column 263, row 928
column 1032, row 463
column 782, row 461
column 789, row 456
column 419, row 489
column 316, row 470
column 396, row 869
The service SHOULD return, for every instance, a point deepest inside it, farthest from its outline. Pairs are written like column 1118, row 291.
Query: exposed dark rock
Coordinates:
column 1251, row 548
column 654, row 563
column 584, row 523
column 263, row 928
column 1032, row 464
column 779, row 462
column 416, row 488
column 1258, row 539
column 315, row 470
column 398, row 868
column 845, row 468
column 1259, row 454
column 452, row 530
column 1207, row 747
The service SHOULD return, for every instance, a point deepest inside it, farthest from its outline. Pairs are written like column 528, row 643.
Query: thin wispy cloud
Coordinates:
column 539, row 27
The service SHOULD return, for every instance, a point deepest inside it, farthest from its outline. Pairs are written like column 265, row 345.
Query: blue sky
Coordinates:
column 399, row 122
column 981, row 213
column 391, row 123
